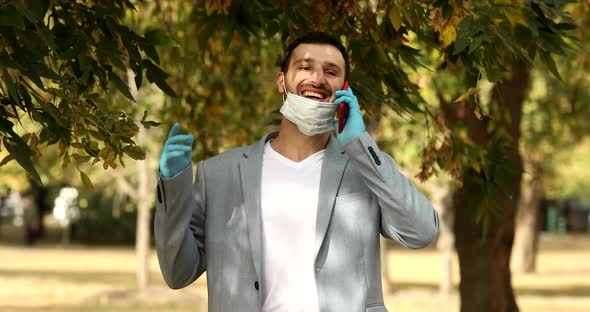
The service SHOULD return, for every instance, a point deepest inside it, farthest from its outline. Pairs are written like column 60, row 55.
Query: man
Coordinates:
column 292, row 222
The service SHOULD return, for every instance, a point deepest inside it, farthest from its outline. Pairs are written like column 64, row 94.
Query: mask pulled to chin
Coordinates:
column 311, row 117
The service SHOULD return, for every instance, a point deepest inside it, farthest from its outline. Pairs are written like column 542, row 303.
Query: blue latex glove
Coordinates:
column 176, row 155
column 354, row 125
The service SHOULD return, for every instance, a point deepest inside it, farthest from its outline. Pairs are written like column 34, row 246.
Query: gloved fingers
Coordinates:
column 178, row 147
column 185, row 139
column 347, row 92
column 174, row 130
column 350, row 100
column 341, row 99
column 339, row 93
column 175, row 154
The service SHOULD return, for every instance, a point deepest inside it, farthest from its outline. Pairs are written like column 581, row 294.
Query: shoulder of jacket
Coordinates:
column 222, row 159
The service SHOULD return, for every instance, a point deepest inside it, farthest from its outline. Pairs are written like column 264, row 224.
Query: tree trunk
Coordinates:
column 484, row 263
column 143, row 200
column 446, row 244
column 485, row 251
column 142, row 245
column 527, row 231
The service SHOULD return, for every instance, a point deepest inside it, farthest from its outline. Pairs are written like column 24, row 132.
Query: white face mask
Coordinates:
column 311, row 117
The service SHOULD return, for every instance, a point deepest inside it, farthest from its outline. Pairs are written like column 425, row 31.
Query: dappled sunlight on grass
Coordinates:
column 81, row 278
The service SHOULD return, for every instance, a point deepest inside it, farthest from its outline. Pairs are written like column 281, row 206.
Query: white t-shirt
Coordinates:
column 289, row 202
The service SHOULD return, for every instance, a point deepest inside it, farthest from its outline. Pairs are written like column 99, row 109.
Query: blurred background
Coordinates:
column 483, row 104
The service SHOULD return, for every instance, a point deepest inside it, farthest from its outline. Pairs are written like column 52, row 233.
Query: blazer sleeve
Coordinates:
column 179, row 227
column 406, row 214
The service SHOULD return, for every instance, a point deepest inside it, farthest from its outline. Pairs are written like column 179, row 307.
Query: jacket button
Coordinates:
column 371, row 149
column 256, row 285
column 377, row 161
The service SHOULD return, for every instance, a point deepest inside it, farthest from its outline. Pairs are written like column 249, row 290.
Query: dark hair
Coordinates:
column 316, row 37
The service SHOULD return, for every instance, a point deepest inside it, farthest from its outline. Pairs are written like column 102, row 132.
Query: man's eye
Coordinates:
column 331, row 73
column 305, row 68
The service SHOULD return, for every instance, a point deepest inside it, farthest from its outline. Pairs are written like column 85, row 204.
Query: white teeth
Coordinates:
column 314, row 94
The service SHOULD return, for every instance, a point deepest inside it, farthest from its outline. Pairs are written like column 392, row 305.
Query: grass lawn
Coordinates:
column 82, row 278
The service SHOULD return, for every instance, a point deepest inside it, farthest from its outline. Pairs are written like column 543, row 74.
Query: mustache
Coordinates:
column 322, row 87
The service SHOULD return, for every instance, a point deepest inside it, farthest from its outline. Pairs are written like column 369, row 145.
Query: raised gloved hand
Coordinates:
column 176, row 154
column 354, row 125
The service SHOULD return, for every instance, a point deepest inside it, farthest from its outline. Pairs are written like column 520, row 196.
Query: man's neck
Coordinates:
column 296, row 146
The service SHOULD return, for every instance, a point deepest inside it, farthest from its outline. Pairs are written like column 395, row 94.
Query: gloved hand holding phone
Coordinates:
column 176, row 154
column 353, row 124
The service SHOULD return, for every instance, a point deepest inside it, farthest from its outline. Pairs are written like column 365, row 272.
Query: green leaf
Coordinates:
column 47, row 36
column 159, row 37
column 272, row 28
column 151, row 52
column 158, row 76
column 550, row 63
column 134, row 59
column 477, row 42
column 22, row 154
column 134, row 152
column 503, row 178
column 10, row 86
column 6, row 125
column 9, row 16
column 467, row 28
column 148, row 123
column 120, row 85
column 34, row 10
column 447, row 10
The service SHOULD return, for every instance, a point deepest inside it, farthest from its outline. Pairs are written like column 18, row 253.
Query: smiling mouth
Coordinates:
column 314, row 96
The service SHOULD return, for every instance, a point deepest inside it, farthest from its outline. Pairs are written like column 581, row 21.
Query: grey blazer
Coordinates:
column 214, row 225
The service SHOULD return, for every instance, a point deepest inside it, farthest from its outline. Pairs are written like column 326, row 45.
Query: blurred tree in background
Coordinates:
column 555, row 123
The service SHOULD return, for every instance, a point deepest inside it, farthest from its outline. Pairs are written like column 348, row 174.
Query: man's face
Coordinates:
column 315, row 71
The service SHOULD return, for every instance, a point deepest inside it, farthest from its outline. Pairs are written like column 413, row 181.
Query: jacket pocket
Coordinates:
column 375, row 307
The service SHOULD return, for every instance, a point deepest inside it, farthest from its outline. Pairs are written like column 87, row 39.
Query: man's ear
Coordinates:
column 280, row 81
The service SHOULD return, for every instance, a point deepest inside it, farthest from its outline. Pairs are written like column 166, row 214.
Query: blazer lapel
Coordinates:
column 332, row 170
column 251, row 176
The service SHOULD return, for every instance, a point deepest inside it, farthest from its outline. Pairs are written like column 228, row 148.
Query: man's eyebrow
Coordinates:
column 304, row 60
column 311, row 60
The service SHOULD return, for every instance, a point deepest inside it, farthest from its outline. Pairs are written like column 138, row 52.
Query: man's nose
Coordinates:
column 317, row 77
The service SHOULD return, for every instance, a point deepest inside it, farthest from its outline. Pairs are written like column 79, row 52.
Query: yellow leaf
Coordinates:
column 477, row 166
column 80, row 159
column 66, row 160
column 395, row 17
column 449, row 34
column 86, row 181
column 515, row 18
column 26, row 137
column 469, row 92
column 478, row 112
column 6, row 160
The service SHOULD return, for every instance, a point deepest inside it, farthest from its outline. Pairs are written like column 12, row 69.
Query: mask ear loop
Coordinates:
column 284, row 88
